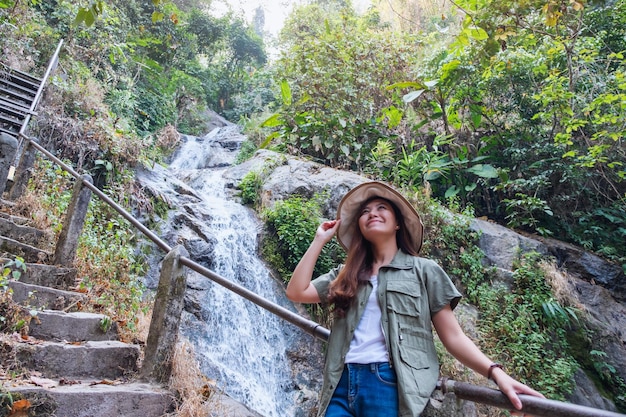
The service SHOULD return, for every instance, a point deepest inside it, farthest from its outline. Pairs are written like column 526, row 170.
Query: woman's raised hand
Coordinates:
column 327, row 230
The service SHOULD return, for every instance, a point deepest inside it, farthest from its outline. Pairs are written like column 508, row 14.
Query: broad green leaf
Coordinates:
column 272, row 121
column 90, row 17
column 285, row 92
column 452, row 191
column 268, row 139
column 483, row 171
column 80, row 16
column 157, row 17
column 477, row 33
column 432, row 175
column 394, row 116
column 409, row 97
column 471, row 187
column 405, row 84
column 476, row 115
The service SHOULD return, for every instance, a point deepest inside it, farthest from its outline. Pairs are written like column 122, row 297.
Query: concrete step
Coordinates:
column 72, row 327
column 27, row 252
column 96, row 400
column 38, row 296
column 94, row 360
column 25, row 234
column 22, row 221
column 46, row 275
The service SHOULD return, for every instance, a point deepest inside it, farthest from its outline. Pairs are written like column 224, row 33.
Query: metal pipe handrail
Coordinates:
column 51, row 66
column 536, row 406
column 308, row 326
column 157, row 240
column 539, row 407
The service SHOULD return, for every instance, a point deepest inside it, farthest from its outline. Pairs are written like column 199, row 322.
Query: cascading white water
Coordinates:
column 238, row 344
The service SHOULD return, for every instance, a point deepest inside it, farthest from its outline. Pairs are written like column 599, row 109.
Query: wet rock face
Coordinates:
column 589, row 267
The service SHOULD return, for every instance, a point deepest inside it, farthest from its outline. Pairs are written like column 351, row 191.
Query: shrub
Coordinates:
column 292, row 224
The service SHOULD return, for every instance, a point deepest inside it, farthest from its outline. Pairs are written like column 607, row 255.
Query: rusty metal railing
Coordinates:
column 536, row 406
column 51, row 67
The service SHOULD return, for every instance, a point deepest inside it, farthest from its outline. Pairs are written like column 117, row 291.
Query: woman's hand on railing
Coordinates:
column 511, row 388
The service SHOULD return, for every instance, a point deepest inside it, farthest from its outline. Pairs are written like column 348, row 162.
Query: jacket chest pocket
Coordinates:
column 403, row 297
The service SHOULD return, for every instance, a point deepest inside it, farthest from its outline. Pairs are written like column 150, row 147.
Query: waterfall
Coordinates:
column 239, row 345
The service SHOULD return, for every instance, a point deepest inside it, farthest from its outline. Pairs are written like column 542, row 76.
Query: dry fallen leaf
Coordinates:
column 105, row 382
column 43, row 382
column 19, row 406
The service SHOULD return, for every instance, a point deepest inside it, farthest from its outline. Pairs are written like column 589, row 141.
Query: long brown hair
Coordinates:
column 359, row 262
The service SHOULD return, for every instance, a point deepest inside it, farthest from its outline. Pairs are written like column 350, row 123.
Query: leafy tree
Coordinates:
column 334, row 76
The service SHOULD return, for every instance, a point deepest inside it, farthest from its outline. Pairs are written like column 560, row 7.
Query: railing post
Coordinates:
column 65, row 250
column 23, row 171
column 8, row 149
column 168, row 307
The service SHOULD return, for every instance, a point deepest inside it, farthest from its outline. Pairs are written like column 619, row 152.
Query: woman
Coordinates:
column 381, row 358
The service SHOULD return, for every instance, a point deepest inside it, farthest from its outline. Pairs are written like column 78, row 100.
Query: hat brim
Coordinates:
column 353, row 200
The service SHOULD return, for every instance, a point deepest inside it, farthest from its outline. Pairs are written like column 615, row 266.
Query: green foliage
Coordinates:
column 524, row 210
column 107, row 249
column 543, row 108
column 333, row 78
column 610, row 377
column 12, row 269
column 382, row 160
column 291, row 227
column 13, row 317
column 105, row 324
column 525, row 324
column 250, row 187
column 56, row 190
column 450, row 174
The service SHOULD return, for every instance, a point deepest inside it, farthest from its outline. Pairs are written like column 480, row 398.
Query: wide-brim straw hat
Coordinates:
column 352, row 202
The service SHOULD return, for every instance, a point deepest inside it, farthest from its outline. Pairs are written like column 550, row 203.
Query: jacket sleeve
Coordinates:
column 440, row 288
column 322, row 283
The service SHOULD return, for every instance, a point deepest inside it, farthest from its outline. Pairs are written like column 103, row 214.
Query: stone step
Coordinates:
column 25, row 234
column 95, row 360
column 23, row 221
column 96, row 399
column 46, row 275
column 27, row 252
column 72, row 327
column 38, row 296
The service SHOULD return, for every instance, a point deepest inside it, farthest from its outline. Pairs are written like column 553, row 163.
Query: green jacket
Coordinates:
column 410, row 291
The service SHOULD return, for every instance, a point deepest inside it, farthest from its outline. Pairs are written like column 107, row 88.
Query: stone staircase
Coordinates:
column 77, row 365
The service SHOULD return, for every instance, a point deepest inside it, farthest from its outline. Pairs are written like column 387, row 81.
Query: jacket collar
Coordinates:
column 401, row 260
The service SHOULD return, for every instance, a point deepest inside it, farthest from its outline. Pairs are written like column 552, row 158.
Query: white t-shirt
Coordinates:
column 368, row 342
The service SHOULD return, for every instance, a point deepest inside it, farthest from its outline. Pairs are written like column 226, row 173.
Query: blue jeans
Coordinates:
column 365, row 391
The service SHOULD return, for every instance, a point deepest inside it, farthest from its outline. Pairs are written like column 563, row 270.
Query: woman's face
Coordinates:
column 378, row 220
